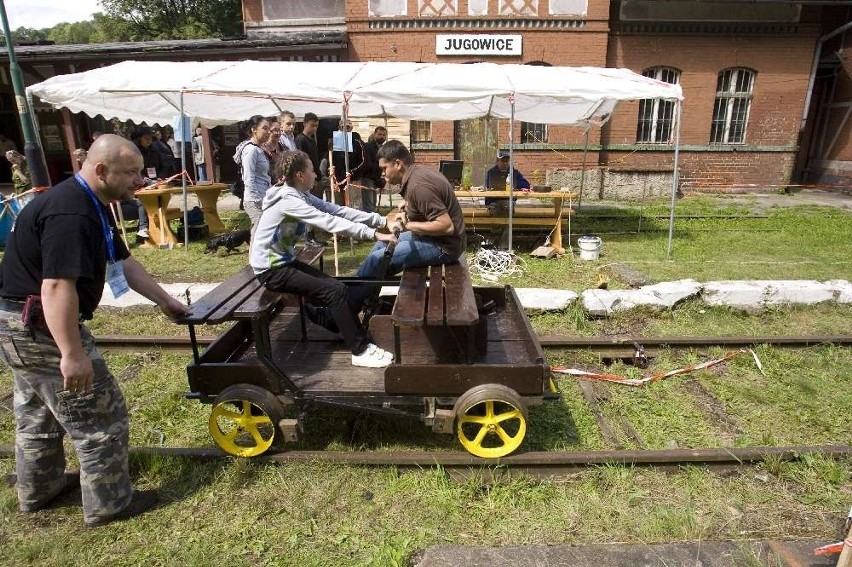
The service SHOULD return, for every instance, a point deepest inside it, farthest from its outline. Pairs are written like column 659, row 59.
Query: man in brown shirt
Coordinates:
column 431, row 221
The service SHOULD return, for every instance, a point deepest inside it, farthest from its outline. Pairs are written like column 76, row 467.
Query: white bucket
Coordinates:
column 590, row 247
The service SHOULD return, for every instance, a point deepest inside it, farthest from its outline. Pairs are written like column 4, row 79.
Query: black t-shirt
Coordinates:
column 58, row 235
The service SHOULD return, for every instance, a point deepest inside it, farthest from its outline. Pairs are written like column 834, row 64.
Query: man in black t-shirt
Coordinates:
column 58, row 255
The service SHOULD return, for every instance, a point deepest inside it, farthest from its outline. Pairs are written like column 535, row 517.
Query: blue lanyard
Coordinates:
column 101, row 213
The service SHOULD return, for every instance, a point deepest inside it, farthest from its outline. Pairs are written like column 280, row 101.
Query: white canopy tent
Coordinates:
column 224, row 92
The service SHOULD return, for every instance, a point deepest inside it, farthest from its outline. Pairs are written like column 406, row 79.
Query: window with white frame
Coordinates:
column 568, row 7
column 387, row 8
column 477, row 7
column 656, row 117
column 734, row 90
column 421, row 131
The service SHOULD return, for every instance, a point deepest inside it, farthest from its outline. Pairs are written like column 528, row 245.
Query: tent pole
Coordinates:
column 583, row 170
column 183, row 176
column 675, row 176
column 511, row 183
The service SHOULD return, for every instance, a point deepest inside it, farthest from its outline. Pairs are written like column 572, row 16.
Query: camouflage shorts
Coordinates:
column 96, row 421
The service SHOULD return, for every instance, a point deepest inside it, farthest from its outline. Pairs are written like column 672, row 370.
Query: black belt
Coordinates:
column 13, row 305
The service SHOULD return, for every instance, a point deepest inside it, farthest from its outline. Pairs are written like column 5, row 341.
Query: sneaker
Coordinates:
column 314, row 243
column 141, row 502
column 372, row 357
column 143, row 233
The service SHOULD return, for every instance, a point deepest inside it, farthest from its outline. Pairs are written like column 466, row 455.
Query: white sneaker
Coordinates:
column 143, row 233
column 373, row 357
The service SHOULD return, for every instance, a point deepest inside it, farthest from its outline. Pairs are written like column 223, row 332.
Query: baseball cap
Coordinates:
column 502, row 155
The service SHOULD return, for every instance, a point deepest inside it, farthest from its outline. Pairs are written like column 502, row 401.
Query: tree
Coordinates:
column 24, row 35
column 144, row 20
column 176, row 19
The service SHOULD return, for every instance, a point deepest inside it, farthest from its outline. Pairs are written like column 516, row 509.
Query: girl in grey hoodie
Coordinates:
column 288, row 209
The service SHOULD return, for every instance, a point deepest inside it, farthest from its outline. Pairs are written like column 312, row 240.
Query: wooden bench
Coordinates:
column 522, row 215
column 437, row 296
column 243, row 297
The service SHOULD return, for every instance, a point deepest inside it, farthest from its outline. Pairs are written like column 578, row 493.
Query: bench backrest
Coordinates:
column 436, row 295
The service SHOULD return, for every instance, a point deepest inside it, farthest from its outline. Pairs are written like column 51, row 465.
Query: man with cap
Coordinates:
column 496, row 179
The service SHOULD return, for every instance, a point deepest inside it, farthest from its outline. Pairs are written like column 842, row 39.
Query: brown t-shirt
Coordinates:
column 428, row 195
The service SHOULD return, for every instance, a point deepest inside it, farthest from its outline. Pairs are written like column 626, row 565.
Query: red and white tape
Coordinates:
column 659, row 376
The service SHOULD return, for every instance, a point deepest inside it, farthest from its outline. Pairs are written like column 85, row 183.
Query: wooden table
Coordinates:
column 535, row 216
column 156, row 203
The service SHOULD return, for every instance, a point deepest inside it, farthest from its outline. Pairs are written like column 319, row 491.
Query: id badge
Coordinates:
column 116, row 280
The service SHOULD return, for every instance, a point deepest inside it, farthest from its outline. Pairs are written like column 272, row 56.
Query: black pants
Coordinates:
column 320, row 289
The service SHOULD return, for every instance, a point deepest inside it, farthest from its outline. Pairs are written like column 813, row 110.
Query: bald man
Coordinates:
column 63, row 248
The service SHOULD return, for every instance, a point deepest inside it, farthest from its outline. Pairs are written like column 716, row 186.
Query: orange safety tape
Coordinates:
column 832, row 548
column 658, row 376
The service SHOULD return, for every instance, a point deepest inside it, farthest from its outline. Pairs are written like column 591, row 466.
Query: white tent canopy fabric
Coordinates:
column 225, row 92
column 215, row 93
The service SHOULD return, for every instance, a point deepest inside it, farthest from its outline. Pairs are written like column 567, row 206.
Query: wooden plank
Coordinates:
column 461, row 303
column 516, row 221
column 260, row 301
column 454, row 380
column 410, row 305
column 435, row 306
column 225, row 312
column 200, row 311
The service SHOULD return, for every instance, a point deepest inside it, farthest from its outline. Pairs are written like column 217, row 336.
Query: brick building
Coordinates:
column 745, row 67
column 767, row 86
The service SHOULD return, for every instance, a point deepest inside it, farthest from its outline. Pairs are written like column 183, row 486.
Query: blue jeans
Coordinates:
column 411, row 251
column 202, row 172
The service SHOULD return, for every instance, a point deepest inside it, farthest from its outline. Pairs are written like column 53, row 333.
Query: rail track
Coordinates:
column 616, row 346
column 538, row 463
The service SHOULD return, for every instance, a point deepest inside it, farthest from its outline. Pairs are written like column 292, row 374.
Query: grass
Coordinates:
column 240, row 512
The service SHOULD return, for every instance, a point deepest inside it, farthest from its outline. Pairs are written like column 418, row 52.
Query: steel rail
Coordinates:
column 536, row 462
column 181, row 343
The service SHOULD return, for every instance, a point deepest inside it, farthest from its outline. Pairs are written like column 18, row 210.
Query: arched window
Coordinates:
column 656, row 117
column 734, row 89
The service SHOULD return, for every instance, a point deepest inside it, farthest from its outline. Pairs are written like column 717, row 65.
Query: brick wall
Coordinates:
column 252, row 11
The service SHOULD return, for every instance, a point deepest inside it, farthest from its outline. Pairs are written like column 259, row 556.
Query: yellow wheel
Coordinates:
column 244, row 420
column 491, row 420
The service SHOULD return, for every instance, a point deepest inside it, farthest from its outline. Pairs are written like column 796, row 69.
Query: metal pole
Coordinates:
column 511, row 163
column 583, row 170
column 183, row 175
column 32, row 148
column 675, row 177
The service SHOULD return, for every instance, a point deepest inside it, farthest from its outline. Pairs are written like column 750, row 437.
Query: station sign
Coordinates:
column 479, row 44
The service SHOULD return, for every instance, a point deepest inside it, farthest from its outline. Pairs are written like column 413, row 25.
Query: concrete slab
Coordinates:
column 756, row 295
column 750, row 296
column 842, row 290
column 545, row 299
column 176, row 290
column 659, row 296
column 691, row 554
column 600, row 302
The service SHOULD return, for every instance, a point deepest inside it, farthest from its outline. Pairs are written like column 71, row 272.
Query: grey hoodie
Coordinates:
column 287, row 211
column 255, row 166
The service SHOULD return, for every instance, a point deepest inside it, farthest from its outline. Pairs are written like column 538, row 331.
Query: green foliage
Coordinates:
column 176, row 19
column 143, row 20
